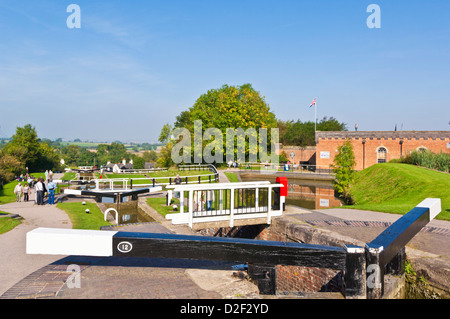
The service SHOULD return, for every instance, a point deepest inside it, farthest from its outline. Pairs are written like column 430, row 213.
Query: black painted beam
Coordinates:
column 127, row 244
column 394, row 238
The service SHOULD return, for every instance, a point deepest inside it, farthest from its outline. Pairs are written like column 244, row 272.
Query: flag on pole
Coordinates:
column 313, row 102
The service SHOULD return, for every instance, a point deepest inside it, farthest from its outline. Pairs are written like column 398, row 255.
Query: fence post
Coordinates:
column 355, row 273
column 191, row 208
column 232, row 208
column 374, row 271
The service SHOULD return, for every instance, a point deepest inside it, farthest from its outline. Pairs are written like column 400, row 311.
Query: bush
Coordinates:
column 437, row 161
column 343, row 167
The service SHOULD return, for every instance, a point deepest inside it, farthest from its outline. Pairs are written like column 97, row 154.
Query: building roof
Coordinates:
column 383, row 134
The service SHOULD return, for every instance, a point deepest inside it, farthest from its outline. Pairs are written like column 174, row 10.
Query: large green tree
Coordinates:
column 222, row 109
column 114, row 152
column 29, row 150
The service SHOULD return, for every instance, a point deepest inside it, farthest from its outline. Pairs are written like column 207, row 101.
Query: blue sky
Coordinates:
column 134, row 65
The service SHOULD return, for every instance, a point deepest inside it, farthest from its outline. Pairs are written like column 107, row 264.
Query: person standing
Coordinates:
column 39, row 188
column 26, row 192
column 51, row 192
column 209, row 199
column 18, row 190
column 177, row 181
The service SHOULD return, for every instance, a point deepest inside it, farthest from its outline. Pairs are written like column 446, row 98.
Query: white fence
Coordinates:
column 226, row 202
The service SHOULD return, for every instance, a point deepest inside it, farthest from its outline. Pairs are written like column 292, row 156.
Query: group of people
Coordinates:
column 202, row 197
column 40, row 187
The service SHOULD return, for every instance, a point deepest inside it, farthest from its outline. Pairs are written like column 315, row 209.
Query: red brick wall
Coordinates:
column 303, row 279
column 367, row 154
column 307, row 279
column 301, row 154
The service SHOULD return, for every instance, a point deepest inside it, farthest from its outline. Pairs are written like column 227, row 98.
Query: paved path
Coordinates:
column 15, row 263
column 366, row 225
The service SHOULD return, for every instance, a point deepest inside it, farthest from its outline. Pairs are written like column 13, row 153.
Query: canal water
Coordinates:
column 305, row 192
column 129, row 213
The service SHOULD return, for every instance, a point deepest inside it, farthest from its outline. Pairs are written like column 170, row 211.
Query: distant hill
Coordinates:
column 398, row 188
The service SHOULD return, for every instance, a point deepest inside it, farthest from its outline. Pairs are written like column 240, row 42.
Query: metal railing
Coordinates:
column 297, row 168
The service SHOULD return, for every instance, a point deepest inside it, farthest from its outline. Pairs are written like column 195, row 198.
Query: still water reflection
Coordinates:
column 310, row 194
column 130, row 213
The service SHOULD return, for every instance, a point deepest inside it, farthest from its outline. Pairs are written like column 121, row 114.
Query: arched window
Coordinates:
column 382, row 155
column 422, row 149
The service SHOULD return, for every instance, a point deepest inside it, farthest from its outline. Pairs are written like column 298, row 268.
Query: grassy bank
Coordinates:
column 7, row 193
column 161, row 176
column 82, row 220
column 397, row 188
column 159, row 204
column 7, row 223
column 232, row 177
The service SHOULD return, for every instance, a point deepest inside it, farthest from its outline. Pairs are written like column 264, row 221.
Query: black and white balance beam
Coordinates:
column 50, row 241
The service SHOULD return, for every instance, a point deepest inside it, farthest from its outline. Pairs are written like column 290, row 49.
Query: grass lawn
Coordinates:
column 69, row 176
column 124, row 176
column 6, row 223
column 232, row 177
column 159, row 204
column 80, row 219
column 7, row 193
column 161, row 177
column 398, row 188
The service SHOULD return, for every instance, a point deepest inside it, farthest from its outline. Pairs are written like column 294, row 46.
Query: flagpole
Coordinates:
column 315, row 116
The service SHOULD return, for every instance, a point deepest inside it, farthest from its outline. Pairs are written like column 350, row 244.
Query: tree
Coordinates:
column 29, row 150
column 150, row 156
column 302, row 133
column 71, row 154
column 138, row 162
column 166, row 132
column 165, row 156
column 343, row 167
column 229, row 107
column 10, row 167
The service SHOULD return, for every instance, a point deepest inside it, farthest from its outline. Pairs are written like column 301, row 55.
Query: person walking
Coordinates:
column 177, row 181
column 26, row 192
column 51, row 192
column 39, row 188
column 18, row 190
column 209, row 199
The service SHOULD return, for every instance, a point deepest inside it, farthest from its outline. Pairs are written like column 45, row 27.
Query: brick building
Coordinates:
column 372, row 147
column 299, row 155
